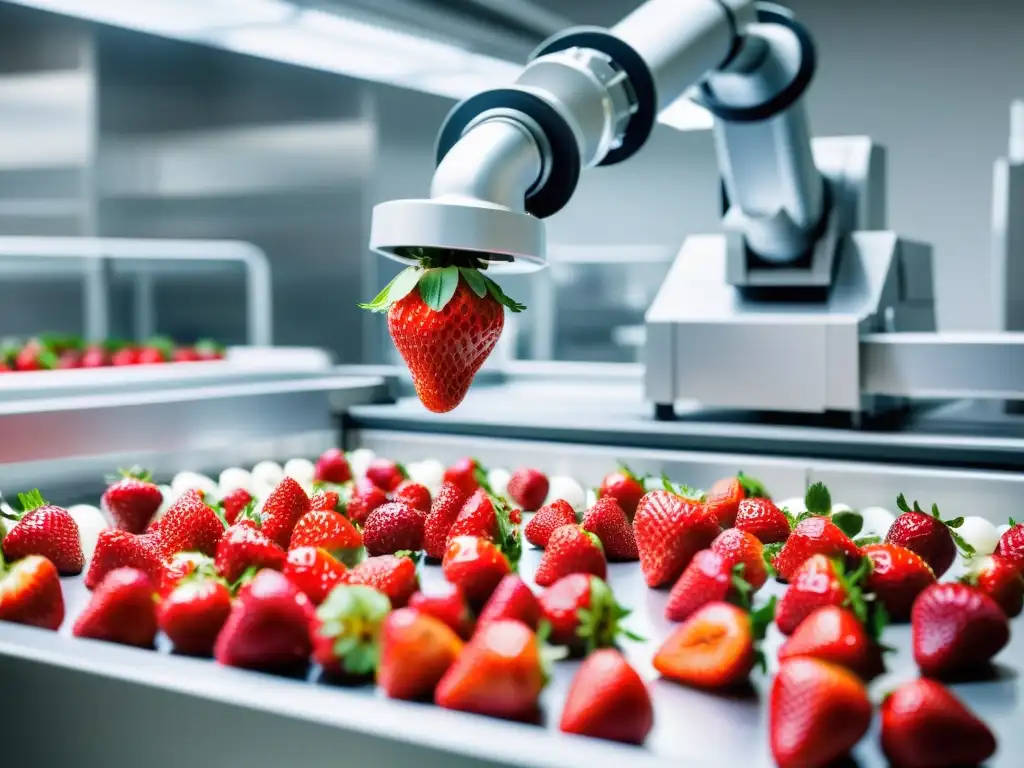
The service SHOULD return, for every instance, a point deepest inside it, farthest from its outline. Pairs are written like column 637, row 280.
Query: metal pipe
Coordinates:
column 496, row 163
column 682, row 40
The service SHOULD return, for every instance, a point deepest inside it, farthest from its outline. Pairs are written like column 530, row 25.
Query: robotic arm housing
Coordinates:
column 509, row 157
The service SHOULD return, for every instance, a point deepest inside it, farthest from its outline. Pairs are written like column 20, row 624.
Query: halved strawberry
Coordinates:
column 329, row 531
column 314, row 571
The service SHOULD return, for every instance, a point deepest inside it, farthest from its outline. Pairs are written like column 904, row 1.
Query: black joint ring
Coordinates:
column 770, row 13
column 641, row 123
column 564, row 173
column 734, row 29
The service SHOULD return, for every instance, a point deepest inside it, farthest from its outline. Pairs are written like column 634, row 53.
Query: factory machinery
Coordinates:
column 798, row 346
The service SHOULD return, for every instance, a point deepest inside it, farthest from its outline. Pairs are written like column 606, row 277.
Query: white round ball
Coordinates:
column 359, row 460
column 877, row 521
column 300, row 470
column 795, row 505
column 980, row 534
column 233, row 478
column 90, row 521
column 267, row 473
column 498, row 479
column 837, row 508
column 591, row 497
column 169, row 497
column 429, row 473
column 566, row 488
column 193, row 481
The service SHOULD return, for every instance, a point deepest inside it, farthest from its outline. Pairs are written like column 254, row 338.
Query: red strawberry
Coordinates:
column 714, row 649
column 36, row 358
column 709, row 578
column 394, row 576
column 819, row 582
column 835, row 635
column 608, row 700
column 48, row 531
column 477, row 517
column 332, row 467
column 393, row 527
column 956, row 629
column 515, row 516
column 190, row 525
column 743, row 548
column 476, row 566
column 528, row 488
column 548, row 518
column 670, row 530
column 445, row 330
column 283, row 508
column 1011, row 544
column 934, row 539
column 625, row 487
column 208, row 350
column 241, row 548
column 444, row 510
column 234, row 504
column 30, row 593
column 571, row 550
column 998, row 578
column 95, row 356
column 365, row 498
column 926, row 726
column 416, row 650
column 763, row 519
column 583, row 614
column 512, row 599
column 724, row 500
column 156, row 351
column 608, row 522
column 127, row 355
column 499, row 673
column 121, row 610
column 329, row 531
column 818, row 712
column 133, row 500
column 193, row 615
column 467, row 475
column 346, row 631
column 183, row 564
column 814, row 536
column 325, row 500
column 186, row 355
column 268, row 628
column 448, row 606
column 413, row 494
column 897, row 577
column 385, row 474
column 120, row 549
column 314, row 571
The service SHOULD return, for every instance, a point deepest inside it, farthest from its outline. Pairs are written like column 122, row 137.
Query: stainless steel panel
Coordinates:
column 929, row 365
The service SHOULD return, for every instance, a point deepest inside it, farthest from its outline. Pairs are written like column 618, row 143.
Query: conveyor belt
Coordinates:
column 959, row 434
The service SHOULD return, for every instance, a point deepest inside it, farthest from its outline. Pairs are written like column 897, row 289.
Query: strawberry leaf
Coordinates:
column 476, row 282
column 956, row 522
column 762, row 618
column 437, row 286
column 966, row 549
column 901, row 503
column 752, row 488
column 850, row 523
column 396, row 290
column 741, row 588
column 818, row 500
column 879, row 620
column 31, row 500
column 1013, row 523
column 864, row 541
column 500, row 297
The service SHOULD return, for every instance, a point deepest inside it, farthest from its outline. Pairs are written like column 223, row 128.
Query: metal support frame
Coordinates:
column 96, row 254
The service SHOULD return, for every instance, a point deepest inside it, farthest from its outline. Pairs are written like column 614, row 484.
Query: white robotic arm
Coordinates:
column 509, row 157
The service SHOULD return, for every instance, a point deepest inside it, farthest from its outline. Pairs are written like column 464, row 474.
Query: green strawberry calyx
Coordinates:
column 437, row 285
column 760, row 620
column 682, row 491
column 752, row 487
column 352, row 617
column 28, row 502
column 600, row 620
column 951, row 525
